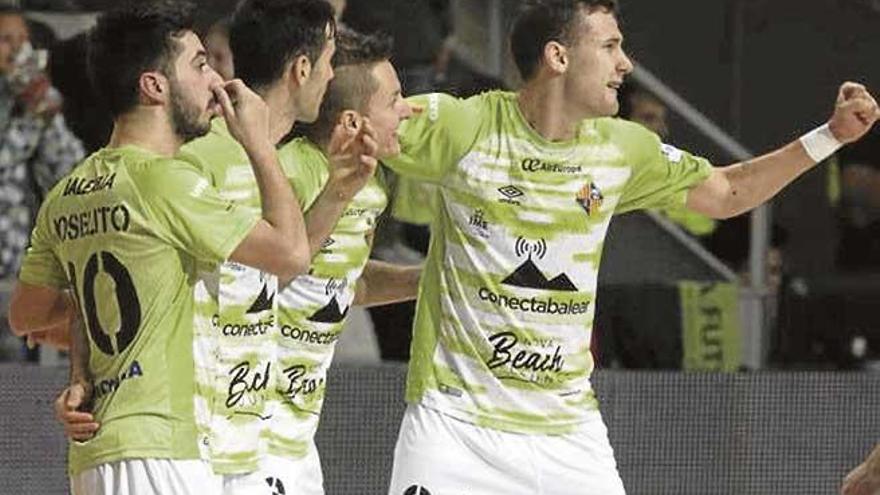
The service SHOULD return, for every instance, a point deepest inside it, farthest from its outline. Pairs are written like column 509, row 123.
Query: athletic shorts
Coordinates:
column 148, row 477
column 440, row 455
column 294, row 476
column 255, row 483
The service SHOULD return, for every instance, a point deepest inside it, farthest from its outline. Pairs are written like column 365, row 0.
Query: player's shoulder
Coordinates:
column 166, row 176
column 615, row 128
column 301, row 156
column 298, row 150
column 211, row 151
column 633, row 138
column 461, row 111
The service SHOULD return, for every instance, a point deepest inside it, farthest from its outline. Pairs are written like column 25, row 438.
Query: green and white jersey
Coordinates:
column 312, row 309
column 125, row 231
column 506, row 302
column 235, row 313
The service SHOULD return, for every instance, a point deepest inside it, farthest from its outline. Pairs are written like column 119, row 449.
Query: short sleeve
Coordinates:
column 41, row 265
column 662, row 174
column 190, row 213
column 434, row 139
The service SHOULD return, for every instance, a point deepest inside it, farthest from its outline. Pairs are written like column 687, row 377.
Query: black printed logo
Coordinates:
column 276, row 486
column 528, row 274
column 331, row 313
column 263, row 302
column 510, row 193
column 416, row 490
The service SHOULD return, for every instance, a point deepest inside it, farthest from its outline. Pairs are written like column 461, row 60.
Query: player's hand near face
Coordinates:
column 352, row 156
column 246, row 114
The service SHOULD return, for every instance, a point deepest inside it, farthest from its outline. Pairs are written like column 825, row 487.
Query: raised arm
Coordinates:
column 737, row 188
column 386, row 283
column 351, row 156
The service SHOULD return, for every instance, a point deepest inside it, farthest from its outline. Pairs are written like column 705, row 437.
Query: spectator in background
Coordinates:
column 640, row 105
column 36, row 147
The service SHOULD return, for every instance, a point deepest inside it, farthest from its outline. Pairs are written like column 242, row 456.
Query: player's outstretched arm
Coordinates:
column 278, row 243
column 864, row 479
column 352, row 157
column 737, row 188
column 386, row 283
column 43, row 314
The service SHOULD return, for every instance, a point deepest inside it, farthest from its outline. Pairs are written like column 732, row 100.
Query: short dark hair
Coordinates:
column 265, row 35
column 542, row 21
column 353, row 83
column 135, row 37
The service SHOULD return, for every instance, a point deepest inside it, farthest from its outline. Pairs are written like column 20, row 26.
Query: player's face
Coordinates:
column 192, row 103
column 316, row 85
column 598, row 65
column 13, row 33
column 387, row 109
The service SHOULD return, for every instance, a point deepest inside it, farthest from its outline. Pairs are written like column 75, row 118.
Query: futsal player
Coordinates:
column 313, row 308
column 125, row 234
column 498, row 387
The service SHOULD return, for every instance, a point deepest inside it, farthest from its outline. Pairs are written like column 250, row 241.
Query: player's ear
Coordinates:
column 154, row 88
column 350, row 120
column 300, row 69
column 556, row 57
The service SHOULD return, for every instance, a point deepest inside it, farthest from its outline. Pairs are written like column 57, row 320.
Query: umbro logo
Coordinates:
column 510, row 194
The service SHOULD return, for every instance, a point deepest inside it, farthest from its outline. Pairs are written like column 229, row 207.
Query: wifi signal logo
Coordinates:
column 335, row 285
column 524, row 248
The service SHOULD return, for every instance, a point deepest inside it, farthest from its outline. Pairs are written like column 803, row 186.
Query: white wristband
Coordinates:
column 820, row 143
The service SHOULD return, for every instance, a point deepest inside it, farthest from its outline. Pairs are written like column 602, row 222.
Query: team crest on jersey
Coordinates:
column 590, row 198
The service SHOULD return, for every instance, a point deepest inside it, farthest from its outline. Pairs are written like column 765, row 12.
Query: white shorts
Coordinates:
column 255, row 483
column 294, row 476
column 440, row 455
column 148, row 477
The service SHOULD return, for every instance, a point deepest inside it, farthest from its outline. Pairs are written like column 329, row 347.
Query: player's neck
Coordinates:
column 545, row 109
column 146, row 129
column 282, row 111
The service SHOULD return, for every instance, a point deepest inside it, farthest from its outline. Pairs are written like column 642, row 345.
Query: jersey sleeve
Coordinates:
column 189, row 213
column 662, row 174
column 305, row 172
column 41, row 265
column 435, row 138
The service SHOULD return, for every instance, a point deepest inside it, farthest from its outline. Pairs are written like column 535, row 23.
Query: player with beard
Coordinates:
column 499, row 389
column 124, row 235
column 312, row 309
